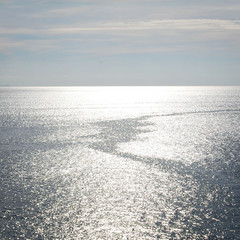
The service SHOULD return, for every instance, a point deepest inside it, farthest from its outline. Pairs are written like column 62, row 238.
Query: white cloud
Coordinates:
column 181, row 24
column 127, row 37
column 168, row 25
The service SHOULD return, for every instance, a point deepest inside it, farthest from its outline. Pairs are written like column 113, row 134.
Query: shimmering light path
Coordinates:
column 120, row 163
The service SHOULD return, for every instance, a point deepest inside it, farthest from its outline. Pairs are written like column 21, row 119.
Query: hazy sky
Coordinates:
column 119, row 42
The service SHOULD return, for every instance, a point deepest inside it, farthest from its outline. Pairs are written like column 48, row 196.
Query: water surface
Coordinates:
column 120, row 163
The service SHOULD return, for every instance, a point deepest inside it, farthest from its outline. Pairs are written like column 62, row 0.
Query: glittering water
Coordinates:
column 120, row 163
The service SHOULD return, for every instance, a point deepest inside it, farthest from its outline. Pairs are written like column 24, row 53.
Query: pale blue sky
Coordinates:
column 127, row 42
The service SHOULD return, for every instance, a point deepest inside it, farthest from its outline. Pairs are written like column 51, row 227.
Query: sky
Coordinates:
column 119, row 42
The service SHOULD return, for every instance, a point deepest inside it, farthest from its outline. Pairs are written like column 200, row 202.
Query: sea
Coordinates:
column 119, row 163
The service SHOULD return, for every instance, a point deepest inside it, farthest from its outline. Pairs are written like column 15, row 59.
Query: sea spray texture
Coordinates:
column 120, row 163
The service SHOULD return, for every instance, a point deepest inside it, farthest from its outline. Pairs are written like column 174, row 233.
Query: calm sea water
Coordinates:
column 120, row 163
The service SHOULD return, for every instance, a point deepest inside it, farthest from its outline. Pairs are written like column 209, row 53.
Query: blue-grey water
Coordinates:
column 120, row 163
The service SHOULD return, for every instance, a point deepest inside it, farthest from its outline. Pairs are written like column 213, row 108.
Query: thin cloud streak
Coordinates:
column 181, row 24
column 118, row 46
column 126, row 37
column 161, row 10
column 171, row 24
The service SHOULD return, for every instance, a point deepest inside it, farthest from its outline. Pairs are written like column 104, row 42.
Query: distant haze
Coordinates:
column 127, row 42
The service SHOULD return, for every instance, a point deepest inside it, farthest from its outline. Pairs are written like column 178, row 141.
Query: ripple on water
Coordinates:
column 70, row 172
